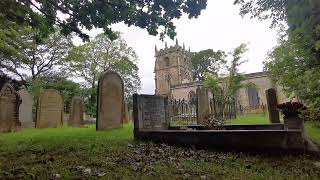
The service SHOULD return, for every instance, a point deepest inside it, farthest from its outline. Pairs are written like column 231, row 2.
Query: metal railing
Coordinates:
column 182, row 112
column 223, row 108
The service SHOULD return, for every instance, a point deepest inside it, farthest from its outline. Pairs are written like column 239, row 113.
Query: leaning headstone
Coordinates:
column 125, row 118
column 203, row 109
column 272, row 103
column 149, row 113
column 25, row 110
column 50, row 109
column 76, row 113
column 110, row 101
column 9, row 109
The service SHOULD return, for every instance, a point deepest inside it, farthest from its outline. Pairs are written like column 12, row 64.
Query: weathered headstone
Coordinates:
column 272, row 103
column 76, row 113
column 110, row 101
column 9, row 109
column 203, row 109
column 149, row 113
column 50, row 109
column 25, row 110
column 125, row 118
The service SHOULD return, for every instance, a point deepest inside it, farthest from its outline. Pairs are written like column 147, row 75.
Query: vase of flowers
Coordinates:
column 291, row 112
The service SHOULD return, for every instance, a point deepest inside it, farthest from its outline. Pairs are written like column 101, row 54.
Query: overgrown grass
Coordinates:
column 83, row 153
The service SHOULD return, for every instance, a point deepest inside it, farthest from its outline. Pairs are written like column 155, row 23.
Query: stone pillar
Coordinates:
column 203, row 107
column 272, row 103
column 293, row 122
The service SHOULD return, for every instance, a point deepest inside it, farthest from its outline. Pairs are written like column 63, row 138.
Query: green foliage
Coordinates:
column 227, row 86
column 73, row 16
column 207, row 61
column 22, row 56
column 91, row 59
column 295, row 62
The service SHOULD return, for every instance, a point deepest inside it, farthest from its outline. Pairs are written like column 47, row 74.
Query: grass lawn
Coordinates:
column 259, row 119
column 312, row 131
column 83, row 153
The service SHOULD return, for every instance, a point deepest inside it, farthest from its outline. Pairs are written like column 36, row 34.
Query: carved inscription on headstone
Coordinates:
column 25, row 110
column 110, row 101
column 151, row 112
column 76, row 113
column 50, row 110
column 9, row 109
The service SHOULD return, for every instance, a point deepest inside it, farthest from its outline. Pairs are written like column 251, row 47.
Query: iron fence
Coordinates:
column 182, row 112
column 223, row 108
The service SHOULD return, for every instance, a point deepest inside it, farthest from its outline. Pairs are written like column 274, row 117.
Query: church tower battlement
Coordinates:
column 172, row 67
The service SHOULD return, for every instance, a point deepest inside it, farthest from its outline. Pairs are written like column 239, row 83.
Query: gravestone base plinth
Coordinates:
column 293, row 122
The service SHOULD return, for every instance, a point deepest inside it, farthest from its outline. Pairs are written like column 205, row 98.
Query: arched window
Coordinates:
column 253, row 97
column 192, row 96
column 166, row 61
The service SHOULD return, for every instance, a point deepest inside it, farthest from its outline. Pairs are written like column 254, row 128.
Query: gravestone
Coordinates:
column 76, row 113
column 110, row 101
column 272, row 103
column 25, row 110
column 50, row 110
column 125, row 118
column 203, row 109
column 149, row 113
column 9, row 109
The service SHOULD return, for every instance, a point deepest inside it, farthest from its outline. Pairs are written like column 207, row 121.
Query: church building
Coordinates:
column 174, row 79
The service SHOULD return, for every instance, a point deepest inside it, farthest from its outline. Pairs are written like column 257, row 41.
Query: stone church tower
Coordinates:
column 172, row 67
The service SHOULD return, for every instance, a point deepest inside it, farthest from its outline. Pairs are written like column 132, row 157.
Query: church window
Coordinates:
column 192, row 96
column 166, row 61
column 253, row 97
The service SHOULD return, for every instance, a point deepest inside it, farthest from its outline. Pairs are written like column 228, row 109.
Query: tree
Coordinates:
column 91, row 59
column 207, row 61
column 295, row 62
column 72, row 16
column 22, row 56
column 227, row 86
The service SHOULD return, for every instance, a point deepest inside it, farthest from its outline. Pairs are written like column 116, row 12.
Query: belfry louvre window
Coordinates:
column 166, row 61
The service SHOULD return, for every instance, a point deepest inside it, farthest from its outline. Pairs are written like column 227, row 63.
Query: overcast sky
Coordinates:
column 219, row 27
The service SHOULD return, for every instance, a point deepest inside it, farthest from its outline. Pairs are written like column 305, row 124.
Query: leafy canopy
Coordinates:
column 22, row 56
column 227, row 86
column 207, row 61
column 76, row 15
column 91, row 59
column 295, row 62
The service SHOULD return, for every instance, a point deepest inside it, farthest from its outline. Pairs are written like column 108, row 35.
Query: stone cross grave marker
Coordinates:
column 149, row 113
column 50, row 109
column 76, row 112
column 110, row 101
column 9, row 109
column 272, row 103
column 25, row 110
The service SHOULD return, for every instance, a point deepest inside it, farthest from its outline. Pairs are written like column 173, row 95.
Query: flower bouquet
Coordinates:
column 290, row 109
